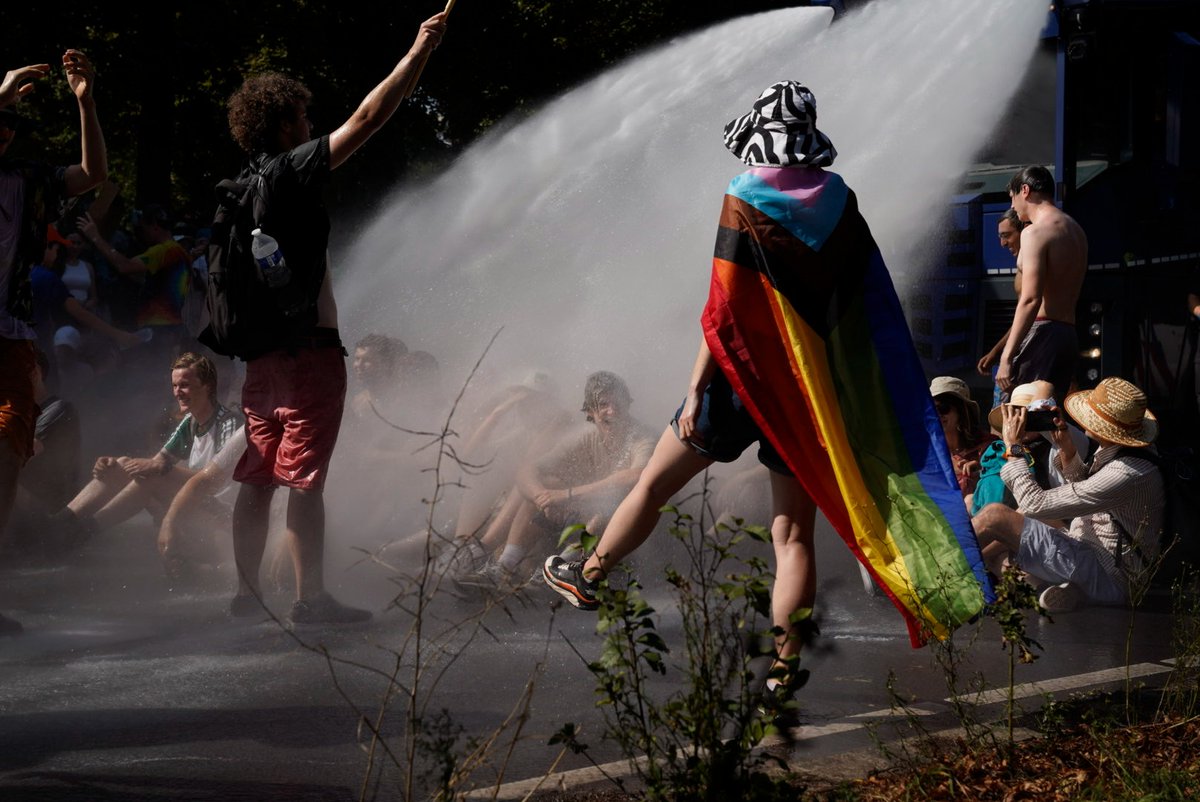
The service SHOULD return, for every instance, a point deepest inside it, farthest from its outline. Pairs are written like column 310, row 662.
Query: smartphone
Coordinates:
column 1041, row 420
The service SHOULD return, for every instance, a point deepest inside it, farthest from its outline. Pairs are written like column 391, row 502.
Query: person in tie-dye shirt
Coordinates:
column 165, row 266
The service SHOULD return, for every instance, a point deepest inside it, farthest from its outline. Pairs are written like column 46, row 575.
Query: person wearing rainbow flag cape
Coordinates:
column 806, row 351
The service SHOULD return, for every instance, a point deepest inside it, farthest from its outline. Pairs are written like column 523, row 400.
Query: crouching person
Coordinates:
column 121, row 487
column 1114, row 503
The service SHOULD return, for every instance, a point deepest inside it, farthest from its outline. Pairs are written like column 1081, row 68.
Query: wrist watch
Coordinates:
column 1018, row 451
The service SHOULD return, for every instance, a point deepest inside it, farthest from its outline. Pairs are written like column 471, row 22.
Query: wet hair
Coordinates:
column 258, row 107
column 419, row 364
column 604, row 384
column 204, row 368
column 1036, row 177
column 1014, row 219
column 388, row 349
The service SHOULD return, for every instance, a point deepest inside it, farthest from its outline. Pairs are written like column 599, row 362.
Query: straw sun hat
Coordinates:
column 1116, row 411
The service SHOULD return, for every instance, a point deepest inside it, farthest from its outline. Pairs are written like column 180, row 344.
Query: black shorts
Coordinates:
column 724, row 428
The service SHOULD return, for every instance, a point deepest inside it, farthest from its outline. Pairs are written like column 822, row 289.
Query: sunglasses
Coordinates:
column 943, row 407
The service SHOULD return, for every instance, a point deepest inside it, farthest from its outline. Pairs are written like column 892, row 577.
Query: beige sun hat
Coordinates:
column 1116, row 411
column 1022, row 396
column 950, row 385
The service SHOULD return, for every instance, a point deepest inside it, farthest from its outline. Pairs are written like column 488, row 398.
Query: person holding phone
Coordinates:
column 1114, row 502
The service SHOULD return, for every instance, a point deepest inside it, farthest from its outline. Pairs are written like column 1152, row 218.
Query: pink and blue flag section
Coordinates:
column 804, row 321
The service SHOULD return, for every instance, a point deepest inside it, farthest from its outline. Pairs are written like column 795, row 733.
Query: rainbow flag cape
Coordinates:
column 804, row 321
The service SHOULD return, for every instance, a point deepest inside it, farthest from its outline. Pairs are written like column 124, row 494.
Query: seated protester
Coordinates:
column 1035, row 396
column 49, row 479
column 164, row 268
column 959, row 416
column 121, row 487
column 515, row 425
column 55, row 307
column 580, row 482
column 1115, row 503
column 375, row 369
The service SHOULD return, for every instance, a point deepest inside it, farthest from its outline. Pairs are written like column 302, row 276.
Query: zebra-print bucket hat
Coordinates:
column 781, row 130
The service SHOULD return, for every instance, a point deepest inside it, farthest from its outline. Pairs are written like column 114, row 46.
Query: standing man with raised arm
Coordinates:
column 294, row 394
column 1042, row 343
column 30, row 194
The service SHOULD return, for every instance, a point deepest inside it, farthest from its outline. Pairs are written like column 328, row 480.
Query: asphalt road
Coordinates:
column 124, row 687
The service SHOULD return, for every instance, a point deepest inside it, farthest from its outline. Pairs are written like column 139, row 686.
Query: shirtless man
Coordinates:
column 1042, row 343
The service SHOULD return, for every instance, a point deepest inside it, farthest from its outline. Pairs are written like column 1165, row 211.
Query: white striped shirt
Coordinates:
column 1111, row 503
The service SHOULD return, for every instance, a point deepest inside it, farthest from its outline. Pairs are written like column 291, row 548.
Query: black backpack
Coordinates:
column 245, row 315
column 1179, row 541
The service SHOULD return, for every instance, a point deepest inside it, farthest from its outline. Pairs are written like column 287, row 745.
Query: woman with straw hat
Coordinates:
column 1114, row 503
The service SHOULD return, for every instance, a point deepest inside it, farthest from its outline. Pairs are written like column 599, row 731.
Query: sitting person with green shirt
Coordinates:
column 121, row 487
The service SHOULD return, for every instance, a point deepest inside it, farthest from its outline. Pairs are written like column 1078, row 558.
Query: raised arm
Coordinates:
column 93, row 164
column 382, row 101
column 125, row 265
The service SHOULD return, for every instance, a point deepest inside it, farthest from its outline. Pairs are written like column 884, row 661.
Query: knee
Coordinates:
column 990, row 518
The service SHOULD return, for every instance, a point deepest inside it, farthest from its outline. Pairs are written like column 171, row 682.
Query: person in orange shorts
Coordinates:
column 28, row 190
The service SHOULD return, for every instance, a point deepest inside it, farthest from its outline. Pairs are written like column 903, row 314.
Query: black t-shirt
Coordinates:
column 295, row 213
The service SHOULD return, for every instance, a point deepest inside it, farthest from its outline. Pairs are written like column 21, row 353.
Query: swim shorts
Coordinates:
column 724, row 428
column 293, row 403
column 1048, row 353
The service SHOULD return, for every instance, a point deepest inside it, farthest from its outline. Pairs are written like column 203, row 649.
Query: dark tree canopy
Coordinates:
column 166, row 69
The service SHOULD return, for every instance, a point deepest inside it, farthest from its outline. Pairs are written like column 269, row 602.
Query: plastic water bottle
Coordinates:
column 270, row 259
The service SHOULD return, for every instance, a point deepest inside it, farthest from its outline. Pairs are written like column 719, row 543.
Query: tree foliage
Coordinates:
column 166, row 69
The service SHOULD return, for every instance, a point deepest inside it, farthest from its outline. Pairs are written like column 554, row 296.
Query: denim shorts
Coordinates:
column 1050, row 555
column 724, row 428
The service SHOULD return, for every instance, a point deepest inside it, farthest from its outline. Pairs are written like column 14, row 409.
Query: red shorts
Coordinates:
column 18, row 411
column 293, row 404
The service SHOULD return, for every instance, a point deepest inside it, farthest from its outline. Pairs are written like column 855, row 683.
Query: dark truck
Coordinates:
column 1111, row 103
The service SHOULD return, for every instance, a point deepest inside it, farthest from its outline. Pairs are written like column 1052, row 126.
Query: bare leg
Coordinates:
column 793, row 519
column 496, row 534
column 524, row 532
column 306, row 534
column 998, row 524
column 152, row 493
column 672, row 466
column 97, row 493
column 251, row 514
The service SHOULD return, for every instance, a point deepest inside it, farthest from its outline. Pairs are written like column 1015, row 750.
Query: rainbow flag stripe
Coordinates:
column 803, row 319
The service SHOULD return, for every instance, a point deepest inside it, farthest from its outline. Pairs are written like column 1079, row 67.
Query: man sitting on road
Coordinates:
column 121, row 487
column 1115, row 503
column 581, row 481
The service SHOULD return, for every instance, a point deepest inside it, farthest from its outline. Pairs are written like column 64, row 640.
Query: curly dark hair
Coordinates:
column 258, row 107
column 388, row 349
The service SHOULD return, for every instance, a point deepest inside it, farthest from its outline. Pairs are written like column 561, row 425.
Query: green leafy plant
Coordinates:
column 697, row 742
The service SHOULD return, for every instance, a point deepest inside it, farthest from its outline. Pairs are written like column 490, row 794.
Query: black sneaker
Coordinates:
column 780, row 706
column 568, row 581
column 324, row 609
